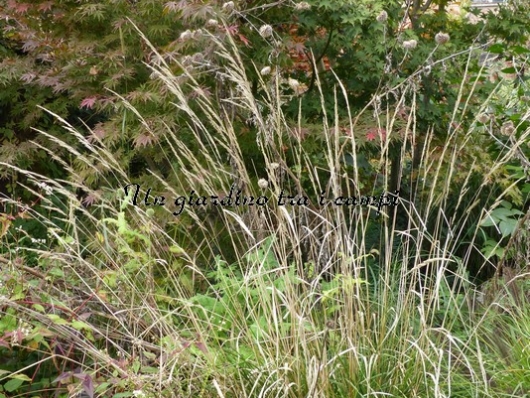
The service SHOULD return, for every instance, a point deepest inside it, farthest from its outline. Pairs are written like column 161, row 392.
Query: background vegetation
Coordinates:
column 339, row 99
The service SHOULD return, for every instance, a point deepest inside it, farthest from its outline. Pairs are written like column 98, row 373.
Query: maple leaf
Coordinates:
column 374, row 133
column 171, row 6
column 90, row 199
column 106, row 101
column 244, row 40
column 59, row 87
column 46, row 6
column 297, row 47
column 88, row 102
column 21, row 8
column 118, row 23
column 48, row 81
column 30, row 45
column 28, row 77
column 144, row 140
column 98, row 133
column 232, row 29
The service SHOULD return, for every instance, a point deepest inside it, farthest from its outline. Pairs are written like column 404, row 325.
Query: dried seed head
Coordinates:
column 382, row 17
column 197, row 33
column 211, row 23
column 266, row 31
column 228, row 6
column 507, row 128
column 274, row 165
column 293, row 83
column 410, row 44
column 265, row 71
column 263, row 183
column 186, row 35
column 302, row 6
column 198, row 57
column 441, row 38
column 296, row 86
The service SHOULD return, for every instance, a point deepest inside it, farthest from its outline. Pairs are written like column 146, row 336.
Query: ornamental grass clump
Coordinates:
column 288, row 300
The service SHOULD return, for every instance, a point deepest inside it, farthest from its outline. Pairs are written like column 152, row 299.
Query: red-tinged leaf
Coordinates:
column 59, row 87
column 371, row 135
column 99, row 131
column 232, row 29
column 30, row 45
column 244, row 39
column 4, row 344
column 297, row 47
column 46, row 6
column 48, row 81
column 171, row 6
column 88, row 102
column 28, row 77
column 106, row 101
column 119, row 23
column 89, row 200
column 21, row 8
column 181, row 5
column 374, row 133
column 144, row 140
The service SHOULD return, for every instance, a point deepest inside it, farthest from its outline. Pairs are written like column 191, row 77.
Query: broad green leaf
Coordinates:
column 496, row 48
column 519, row 50
column 80, row 325
column 507, row 227
column 20, row 376
column 57, row 272
column 13, row 385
